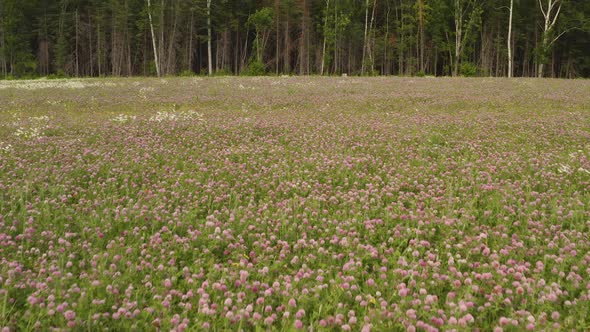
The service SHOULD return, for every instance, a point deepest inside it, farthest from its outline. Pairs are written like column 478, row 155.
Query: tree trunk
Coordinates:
column 2, row 57
column 189, row 60
column 161, row 45
column 99, row 49
column 77, row 60
column 277, row 40
column 400, row 18
column 303, row 40
column 114, row 49
column 510, row 39
column 91, row 57
column 245, row 51
column 458, row 36
column 324, row 43
column 371, row 38
column 335, row 36
column 550, row 20
column 209, row 55
column 498, row 50
column 153, row 41
column 386, row 70
column 236, row 69
column 217, row 54
column 287, row 48
column 170, row 64
column 365, row 37
column 421, row 24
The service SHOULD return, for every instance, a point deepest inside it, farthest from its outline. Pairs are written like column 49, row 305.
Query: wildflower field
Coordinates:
column 295, row 203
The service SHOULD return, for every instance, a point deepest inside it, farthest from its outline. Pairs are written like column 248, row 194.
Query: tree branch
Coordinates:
column 542, row 10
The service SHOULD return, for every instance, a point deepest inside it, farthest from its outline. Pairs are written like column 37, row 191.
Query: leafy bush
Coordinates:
column 255, row 68
column 468, row 69
column 421, row 73
column 223, row 72
column 186, row 73
column 261, row 19
column 60, row 74
column 8, row 77
column 26, row 67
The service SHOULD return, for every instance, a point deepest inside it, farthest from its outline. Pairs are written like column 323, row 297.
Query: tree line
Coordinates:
column 87, row 38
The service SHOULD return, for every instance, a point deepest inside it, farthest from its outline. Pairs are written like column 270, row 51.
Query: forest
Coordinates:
column 92, row 38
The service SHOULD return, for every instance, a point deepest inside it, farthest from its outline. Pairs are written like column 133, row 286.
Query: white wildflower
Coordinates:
column 123, row 118
column 5, row 148
column 564, row 169
column 143, row 92
column 28, row 133
column 177, row 116
column 43, row 118
column 53, row 84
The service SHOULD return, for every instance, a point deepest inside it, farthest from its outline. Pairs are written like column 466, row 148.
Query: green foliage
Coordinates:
column 26, row 67
column 255, row 68
column 222, row 72
column 15, row 49
column 186, row 73
column 58, row 75
column 468, row 69
column 261, row 19
column 39, row 37
column 335, row 23
column 421, row 73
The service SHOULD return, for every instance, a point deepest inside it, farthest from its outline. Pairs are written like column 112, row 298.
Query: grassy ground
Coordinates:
column 379, row 204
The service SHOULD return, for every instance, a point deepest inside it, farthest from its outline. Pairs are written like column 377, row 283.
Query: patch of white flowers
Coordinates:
column 143, row 92
column 123, row 118
column 28, row 133
column 35, row 130
column 564, row 169
column 574, row 163
column 177, row 116
column 43, row 118
column 5, row 148
column 53, row 84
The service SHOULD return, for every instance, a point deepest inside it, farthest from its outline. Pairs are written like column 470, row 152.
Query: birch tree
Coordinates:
column 550, row 13
column 157, row 62
column 509, row 39
column 421, row 10
column 325, row 37
column 405, row 37
column 466, row 17
column 209, row 39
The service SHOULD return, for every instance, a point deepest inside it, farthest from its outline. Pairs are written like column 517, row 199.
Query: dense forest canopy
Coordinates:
column 549, row 38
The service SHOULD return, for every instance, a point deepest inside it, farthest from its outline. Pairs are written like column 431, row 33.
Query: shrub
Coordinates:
column 468, row 69
column 223, row 72
column 255, row 68
column 60, row 74
column 187, row 73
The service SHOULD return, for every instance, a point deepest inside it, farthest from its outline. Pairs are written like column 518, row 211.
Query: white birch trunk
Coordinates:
column 510, row 39
column 153, row 39
column 550, row 20
column 209, row 55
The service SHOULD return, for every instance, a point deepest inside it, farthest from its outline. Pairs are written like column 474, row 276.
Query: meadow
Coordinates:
column 295, row 203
